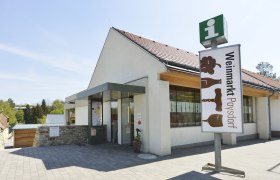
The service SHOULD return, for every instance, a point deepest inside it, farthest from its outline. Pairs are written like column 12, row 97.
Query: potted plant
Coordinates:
column 137, row 141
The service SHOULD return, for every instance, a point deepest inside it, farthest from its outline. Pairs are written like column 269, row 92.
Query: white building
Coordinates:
column 140, row 83
column 55, row 119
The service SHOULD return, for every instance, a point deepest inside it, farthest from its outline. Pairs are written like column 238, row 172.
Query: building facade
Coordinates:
column 143, row 84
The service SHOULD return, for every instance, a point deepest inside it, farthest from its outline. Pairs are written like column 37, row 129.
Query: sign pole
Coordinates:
column 220, row 72
column 217, row 136
column 218, row 150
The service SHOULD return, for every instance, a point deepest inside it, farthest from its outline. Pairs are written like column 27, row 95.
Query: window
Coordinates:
column 184, row 107
column 71, row 115
column 97, row 114
column 248, row 109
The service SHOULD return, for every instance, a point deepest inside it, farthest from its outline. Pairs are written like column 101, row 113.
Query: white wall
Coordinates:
column 275, row 114
column 122, row 61
column 189, row 135
column 263, row 117
column 81, row 115
column 249, row 129
column 141, row 113
column 159, row 117
column 2, row 145
column 6, row 134
column 107, row 118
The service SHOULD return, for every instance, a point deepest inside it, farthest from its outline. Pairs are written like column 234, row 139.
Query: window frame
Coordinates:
column 194, row 102
column 248, row 102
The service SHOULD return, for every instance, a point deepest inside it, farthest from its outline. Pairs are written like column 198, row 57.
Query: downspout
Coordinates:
column 269, row 114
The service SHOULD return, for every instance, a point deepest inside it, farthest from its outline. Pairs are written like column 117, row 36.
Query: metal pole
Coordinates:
column 217, row 136
column 214, row 44
column 218, row 150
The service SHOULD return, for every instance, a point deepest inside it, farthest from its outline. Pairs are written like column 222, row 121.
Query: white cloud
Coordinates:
column 62, row 61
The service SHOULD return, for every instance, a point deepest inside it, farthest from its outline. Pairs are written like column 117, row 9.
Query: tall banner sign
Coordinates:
column 221, row 90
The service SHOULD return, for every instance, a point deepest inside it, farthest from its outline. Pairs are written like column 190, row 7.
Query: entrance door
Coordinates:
column 114, row 122
column 127, row 120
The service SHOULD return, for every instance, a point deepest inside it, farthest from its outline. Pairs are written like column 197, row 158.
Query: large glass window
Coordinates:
column 184, row 106
column 71, row 116
column 248, row 109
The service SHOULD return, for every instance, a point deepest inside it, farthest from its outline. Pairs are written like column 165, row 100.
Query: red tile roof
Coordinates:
column 163, row 51
column 263, row 79
column 248, row 78
column 170, row 54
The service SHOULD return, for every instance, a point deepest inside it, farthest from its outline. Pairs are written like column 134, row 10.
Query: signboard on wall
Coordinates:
column 221, row 90
column 213, row 29
column 54, row 131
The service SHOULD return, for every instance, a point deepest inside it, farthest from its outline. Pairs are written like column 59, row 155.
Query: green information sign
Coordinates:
column 214, row 29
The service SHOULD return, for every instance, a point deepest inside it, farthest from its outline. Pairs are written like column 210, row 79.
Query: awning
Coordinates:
column 107, row 91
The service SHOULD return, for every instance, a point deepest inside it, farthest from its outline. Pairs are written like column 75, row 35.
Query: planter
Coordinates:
column 136, row 145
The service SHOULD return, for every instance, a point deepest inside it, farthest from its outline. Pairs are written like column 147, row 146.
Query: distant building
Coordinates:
column 19, row 108
column 24, row 134
column 55, row 119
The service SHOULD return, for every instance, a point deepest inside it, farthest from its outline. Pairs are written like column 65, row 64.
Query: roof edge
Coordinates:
column 139, row 45
column 271, row 87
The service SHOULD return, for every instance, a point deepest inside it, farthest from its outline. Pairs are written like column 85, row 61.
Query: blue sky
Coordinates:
column 48, row 49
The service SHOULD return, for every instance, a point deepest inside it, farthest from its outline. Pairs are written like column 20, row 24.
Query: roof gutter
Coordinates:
column 194, row 70
column 171, row 63
column 256, row 85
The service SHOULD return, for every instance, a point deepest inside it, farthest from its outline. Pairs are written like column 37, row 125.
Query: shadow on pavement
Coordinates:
column 194, row 175
column 275, row 169
column 189, row 151
column 107, row 157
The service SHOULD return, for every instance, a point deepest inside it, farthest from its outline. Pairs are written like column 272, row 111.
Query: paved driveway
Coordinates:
column 259, row 159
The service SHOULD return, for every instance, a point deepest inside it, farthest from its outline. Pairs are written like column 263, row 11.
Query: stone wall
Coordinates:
column 67, row 135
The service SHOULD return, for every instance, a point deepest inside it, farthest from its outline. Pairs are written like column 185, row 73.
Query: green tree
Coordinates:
column 42, row 120
column 8, row 110
column 266, row 69
column 44, row 107
column 38, row 112
column 11, row 102
column 20, row 116
column 57, row 111
column 57, row 107
column 27, row 115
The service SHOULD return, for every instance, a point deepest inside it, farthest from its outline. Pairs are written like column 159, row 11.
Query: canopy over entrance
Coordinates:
column 107, row 91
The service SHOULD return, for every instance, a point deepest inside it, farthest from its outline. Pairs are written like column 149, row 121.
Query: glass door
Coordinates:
column 131, row 115
column 127, row 120
column 114, row 122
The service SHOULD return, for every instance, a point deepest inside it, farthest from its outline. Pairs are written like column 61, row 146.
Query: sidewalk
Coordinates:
column 259, row 159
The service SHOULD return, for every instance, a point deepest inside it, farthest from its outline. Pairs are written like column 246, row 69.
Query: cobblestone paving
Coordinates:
column 259, row 159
